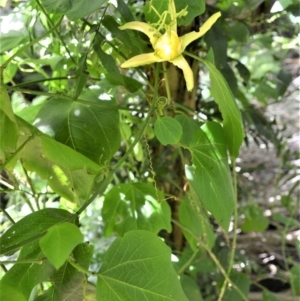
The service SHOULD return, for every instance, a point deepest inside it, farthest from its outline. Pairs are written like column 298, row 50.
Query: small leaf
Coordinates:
column 32, row 227
column 210, row 176
column 138, row 265
column 232, row 121
column 81, row 76
column 59, row 242
column 189, row 127
column 268, row 296
column 254, row 219
column 192, row 218
column 167, row 130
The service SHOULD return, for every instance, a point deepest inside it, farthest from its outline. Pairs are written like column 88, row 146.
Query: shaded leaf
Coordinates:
column 254, row 219
column 59, row 242
column 242, row 282
column 31, row 227
column 167, row 130
column 209, row 176
column 189, row 127
column 135, row 207
column 295, row 279
column 194, row 9
column 190, row 288
column 138, row 265
column 191, row 217
column 10, row 293
column 91, row 129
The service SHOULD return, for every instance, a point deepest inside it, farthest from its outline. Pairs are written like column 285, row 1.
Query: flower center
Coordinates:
column 168, row 46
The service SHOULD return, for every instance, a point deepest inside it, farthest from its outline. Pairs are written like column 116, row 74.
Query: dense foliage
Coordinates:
column 123, row 184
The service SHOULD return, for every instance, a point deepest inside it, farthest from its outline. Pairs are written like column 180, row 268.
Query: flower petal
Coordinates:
column 192, row 36
column 145, row 28
column 142, row 59
column 181, row 63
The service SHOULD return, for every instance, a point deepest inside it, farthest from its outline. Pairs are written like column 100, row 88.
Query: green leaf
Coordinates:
column 190, row 288
column 242, row 282
column 193, row 218
column 167, row 130
column 135, row 207
column 10, row 293
column 138, row 265
column 68, row 283
column 8, row 126
column 268, row 296
column 68, row 173
column 32, row 227
column 254, row 219
column 25, row 276
column 189, row 127
column 295, row 279
column 124, row 10
column 59, row 242
column 81, row 75
column 160, row 7
column 194, row 9
column 209, row 176
column 90, row 128
column 237, row 30
column 73, row 9
column 232, row 121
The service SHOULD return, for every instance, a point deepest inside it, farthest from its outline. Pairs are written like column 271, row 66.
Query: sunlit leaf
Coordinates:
column 59, row 242
column 138, row 265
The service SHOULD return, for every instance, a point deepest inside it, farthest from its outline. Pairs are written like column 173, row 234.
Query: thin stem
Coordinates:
column 32, row 43
column 40, row 261
column 34, row 194
column 103, row 185
column 79, row 267
column 7, row 215
column 235, row 220
column 188, row 262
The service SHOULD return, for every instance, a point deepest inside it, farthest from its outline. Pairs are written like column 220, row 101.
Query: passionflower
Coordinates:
column 168, row 46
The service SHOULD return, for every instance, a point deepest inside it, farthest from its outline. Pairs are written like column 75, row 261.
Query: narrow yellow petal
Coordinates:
column 181, row 63
column 192, row 36
column 145, row 28
column 142, row 59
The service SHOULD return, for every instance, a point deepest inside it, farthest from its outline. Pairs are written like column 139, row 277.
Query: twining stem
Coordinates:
column 167, row 83
column 103, row 185
column 188, row 262
column 79, row 267
column 32, row 42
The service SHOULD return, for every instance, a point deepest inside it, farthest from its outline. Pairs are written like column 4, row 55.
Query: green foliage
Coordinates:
column 130, row 268
column 128, row 159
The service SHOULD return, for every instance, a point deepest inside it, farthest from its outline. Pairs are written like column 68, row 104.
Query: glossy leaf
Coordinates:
column 135, row 207
column 167, row 130
column 138, row 265
column 59, row 242
column 68, row 173
column 232, row 122
column 254, row 219
column 32, row 227
column 91, row 129
column 209, row 175
column 8, row 126
column 191, row 217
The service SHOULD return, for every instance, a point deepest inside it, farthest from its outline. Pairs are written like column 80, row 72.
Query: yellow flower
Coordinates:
column 168, row 46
